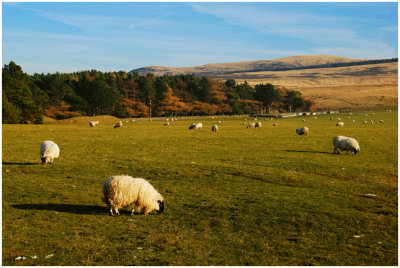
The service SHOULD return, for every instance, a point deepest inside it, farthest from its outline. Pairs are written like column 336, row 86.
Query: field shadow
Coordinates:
column 19, row 163
column 76, row 209
column 312, row 152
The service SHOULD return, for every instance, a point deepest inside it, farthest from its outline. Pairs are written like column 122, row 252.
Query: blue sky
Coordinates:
column 67, row 37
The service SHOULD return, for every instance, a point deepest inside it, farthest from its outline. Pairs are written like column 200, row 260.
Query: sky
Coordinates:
column 68, row 37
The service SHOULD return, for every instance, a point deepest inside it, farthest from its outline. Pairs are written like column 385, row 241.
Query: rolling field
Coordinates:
column 235, row 197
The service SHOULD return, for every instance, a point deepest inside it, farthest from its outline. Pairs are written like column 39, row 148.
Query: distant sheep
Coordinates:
column 166, row 124
column 371, row 121
column 381, row 121
column 93, row 123
column 195, row 126
column 340, row 124
column 302, row 131
column 119, row 124
column 354, row 121
column 303, row 120
column 258, row 124
column 365, row 122
column 345, row 144
column 214, row 128
column 274, row 124
column 251, row 125
column 48, row 151
column 122, row 191
column 339, row 119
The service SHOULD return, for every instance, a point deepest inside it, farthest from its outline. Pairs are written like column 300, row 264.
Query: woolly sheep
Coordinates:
column 258, row 124
column 345, row 144
column 364, row 122
column 123, row 190
column 303, row 120
column 371, row 121
column 219, row 122
column 302, row 131
column 48, row 151
column 214, row 128
column 354, row 121
column 196, row 126
column 166, row 124
column 381, row 121
column 119, row 124
column 93, row 123
column 339, row 119
column 340, row 124
column 274, row 124
column 251, row 125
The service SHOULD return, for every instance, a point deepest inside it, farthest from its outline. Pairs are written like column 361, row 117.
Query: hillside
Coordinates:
column 286, row 63
column 367, row 84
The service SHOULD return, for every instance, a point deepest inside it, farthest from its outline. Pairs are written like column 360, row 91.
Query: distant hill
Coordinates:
column 280, row 64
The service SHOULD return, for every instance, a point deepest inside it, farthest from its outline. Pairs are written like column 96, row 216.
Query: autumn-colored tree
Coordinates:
column 60, row 111
column 172, row 105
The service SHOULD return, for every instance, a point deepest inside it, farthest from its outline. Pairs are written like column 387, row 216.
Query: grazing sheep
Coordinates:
column 119, row 124
column 214, row 128
column 339, row 119
column 364, row 122
column 371, row 121
column 251, row 125
column 258, row 124
column 121, row 191
column 196, row 126
column 303, row 120
column 166, row 124
column 340, row 124
column 48, row 151
column 274, row 124
column 354, row 121
column 302, row 131
column 219, row 122
column 381, row 121
column 345, row 144
column 93, row 123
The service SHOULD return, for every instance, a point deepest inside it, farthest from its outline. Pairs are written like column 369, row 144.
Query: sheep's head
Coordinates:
column 160, row 206
column 44, row 160
column 356, row 151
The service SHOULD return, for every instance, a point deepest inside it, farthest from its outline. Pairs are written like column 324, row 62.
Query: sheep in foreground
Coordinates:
column 251, row 125
column 340, row 124
column 122, row 191
column 302, row 131
column 196, row 126
column 93, row 123
column 345, row 144
column 119, row 124
column 258, row 124
column 48, row 151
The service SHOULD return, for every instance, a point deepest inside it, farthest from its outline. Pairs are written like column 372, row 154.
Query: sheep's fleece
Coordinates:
column 345, row 144
column 121, row 191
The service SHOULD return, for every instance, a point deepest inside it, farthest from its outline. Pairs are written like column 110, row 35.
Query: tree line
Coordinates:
column 27, row 98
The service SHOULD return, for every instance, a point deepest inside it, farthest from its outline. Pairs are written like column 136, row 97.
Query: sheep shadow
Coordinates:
column 312, row 152
column 19, row 164
column 76, row 209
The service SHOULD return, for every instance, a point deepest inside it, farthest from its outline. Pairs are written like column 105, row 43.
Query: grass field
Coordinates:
column 235, row 197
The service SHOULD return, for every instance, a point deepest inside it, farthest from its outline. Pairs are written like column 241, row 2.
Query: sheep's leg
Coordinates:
column 133, row 211
column 111, row 211
column 116, row 212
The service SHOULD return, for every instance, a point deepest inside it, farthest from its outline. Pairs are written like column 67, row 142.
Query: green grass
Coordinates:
column 235, row 197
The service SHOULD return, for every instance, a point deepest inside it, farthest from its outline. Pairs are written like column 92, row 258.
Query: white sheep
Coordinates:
column 258, row 124
column 251, row 125
column 219, row 122
column 345, row 144
column 196, row 126
column 166, row 124
column 340, row 124
column 214, row 128
column 274, row 124
column 93, row 123
column 48, row 151
column 365, row 122
column 119, row 124
column 339, row 119
column 303, row 120
column 381, row 121
column 354, row 121
column 122, row 191
column 302, row 131
column 371, row 121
